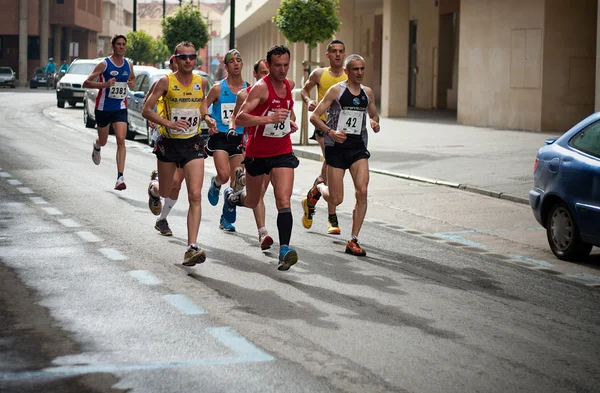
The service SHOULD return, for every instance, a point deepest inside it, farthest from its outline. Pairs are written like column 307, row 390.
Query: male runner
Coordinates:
column 323, row 78
column 347, row 104
column 269, row 109
column 260, row 71
column 180, row 144
column 156, row 206
column 225, row 151
column 114, row 75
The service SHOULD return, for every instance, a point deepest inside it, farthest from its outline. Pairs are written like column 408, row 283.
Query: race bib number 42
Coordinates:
column 192, row 116
column 351, row 121
column 278, row 130
column 118, row 90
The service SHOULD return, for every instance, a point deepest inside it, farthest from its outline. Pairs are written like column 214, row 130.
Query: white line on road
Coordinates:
column 5, row 174
column 14, row 182
column 25, row 190
column 38, row 200
column 184, row 304
column 112, row 254
column 69, row 223
column 145, row 277
column 52, row 211
column 88, row 237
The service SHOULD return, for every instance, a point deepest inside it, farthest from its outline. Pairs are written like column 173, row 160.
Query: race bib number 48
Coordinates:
column 351, row 121
column 192, row 116
column 118, row 90
column 278, row 130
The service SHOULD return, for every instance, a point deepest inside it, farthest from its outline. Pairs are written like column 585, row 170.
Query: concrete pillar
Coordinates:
column 57, row 35
column 597, row 106
column 44, row 26
column 346, row 33
column 68, row 38
column 23, row 20
column 394, row 58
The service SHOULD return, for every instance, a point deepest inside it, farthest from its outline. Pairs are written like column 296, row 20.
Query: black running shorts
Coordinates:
column 343, row 158
column 219, row 142
column 263, row 166
column 179, row 151
column 104, row 118
column 316, row 133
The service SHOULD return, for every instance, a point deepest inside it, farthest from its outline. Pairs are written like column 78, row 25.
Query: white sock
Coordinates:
column 167, row 206
column 154, row 193
column 321, row 187
column 262, row 231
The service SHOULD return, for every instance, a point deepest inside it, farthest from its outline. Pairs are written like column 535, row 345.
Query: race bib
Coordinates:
column 192, row 116
column 278, row 130
column 118, row 91
column 226, row 113
column 351, row 121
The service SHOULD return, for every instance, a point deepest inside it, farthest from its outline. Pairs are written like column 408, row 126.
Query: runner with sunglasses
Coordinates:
column 180, row 144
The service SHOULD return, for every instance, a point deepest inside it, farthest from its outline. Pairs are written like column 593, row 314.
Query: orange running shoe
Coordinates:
column 332, row 225
column 353, row 248
column 314, row 195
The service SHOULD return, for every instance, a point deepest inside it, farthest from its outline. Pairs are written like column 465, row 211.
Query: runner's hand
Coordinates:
column 338, row 136
column 151, row 124
column 131, row 83
column 211, row 123
column 213, row 131
column 375, row 126
column 279, row 116
column 293, row 126
column 180, row 125
column 312, row 105
column 110, row 82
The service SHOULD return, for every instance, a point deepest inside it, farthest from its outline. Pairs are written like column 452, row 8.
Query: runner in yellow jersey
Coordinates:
column 180, row 144
column 323, row 78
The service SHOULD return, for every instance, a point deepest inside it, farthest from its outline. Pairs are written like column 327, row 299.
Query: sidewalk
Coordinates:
column 430, row 146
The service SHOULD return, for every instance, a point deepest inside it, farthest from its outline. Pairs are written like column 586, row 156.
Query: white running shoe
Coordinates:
column 96, row 154
column 120, row 184
column 265, row 241
column 240, row 179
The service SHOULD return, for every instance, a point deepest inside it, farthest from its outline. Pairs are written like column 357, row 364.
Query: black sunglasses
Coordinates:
column 184, row 56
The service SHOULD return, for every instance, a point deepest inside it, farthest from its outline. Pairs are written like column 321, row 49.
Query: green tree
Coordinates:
column 308, row 21
column 185, row 25
column 140, row 47
column 160, row 52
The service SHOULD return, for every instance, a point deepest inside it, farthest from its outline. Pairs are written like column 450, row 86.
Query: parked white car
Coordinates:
column 69, row 88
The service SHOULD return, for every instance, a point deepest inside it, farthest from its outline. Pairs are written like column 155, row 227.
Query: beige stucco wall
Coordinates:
column 500, row 64
column 427, row 16
column 568, row 91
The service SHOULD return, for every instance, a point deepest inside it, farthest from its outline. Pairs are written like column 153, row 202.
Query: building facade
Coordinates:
column 117, row 18
column 515, row 64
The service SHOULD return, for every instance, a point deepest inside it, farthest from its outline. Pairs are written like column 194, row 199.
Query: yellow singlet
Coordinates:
column 328, row 80
column 183, row 103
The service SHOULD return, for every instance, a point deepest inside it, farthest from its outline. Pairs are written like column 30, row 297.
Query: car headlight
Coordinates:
column 63, row 85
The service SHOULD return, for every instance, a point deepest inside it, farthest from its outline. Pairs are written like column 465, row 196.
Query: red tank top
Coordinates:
column 264, row 141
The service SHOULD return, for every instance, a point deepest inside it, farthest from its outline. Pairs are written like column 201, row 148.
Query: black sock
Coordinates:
column 284, row 226
column 332, row 217
column 119, row 174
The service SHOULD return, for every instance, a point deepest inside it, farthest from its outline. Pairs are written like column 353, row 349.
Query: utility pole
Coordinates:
column 232, row 24
column 164, row 7
column 134, row 15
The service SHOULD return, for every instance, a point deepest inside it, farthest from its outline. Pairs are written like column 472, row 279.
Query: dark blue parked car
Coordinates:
column 566, row 190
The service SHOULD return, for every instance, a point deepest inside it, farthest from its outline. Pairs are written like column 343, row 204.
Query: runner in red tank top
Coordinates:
column 269, row 110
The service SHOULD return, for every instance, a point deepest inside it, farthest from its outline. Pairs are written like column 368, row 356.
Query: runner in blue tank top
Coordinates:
column 225, row 150
column 112, row 77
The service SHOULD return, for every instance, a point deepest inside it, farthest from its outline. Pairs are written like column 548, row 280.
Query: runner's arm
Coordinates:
column 239, row 100
column 213, row 94
column 293, row 114
column 258, row 94
column 148, row 113
column 372, row 110
column 90, row 82
column 131, row 79
column 210, row 122
column 313, row 80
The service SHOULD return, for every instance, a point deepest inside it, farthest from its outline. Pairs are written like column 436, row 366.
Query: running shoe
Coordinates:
column 240, row 179
column 96, row 154
column 120, row 184
column 213, row 193
column 193, row 256
column 353, row 248
column 287, row 258
column 154, row 202
column 332, row 226
column 308, row 214
column 265, row 241
column 313, row 194
column 225, row 225
column 229, row 212
column 163, row 227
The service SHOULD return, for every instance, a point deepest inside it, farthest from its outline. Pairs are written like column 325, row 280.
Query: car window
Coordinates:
column 81, row 68
column 5, row 70
column 144, row 85
column 139, row 79
column 588, row 140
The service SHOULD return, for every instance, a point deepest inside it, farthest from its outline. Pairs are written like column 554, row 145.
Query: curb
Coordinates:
column 465, row 187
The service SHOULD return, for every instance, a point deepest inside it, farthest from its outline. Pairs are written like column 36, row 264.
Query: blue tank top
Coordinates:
column 114, row 98
column 223, row 108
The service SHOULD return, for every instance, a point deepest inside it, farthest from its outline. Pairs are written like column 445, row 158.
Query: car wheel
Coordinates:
column 32, row 86
column 563, row 234
column 73, row 103
column 130, row 133
column 60, row 103
column 13, row 86
column 87, row 120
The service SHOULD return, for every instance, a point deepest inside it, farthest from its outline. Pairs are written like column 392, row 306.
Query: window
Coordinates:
column 60, row 1
column 588, row 140
column 139, row 82
column 145, row 85
column 33, row 49
column 1, row 48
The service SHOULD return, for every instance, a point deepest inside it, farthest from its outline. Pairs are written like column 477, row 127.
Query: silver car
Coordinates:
column 7, row 77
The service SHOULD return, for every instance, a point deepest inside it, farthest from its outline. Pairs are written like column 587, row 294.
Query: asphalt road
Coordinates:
column 93, row 299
